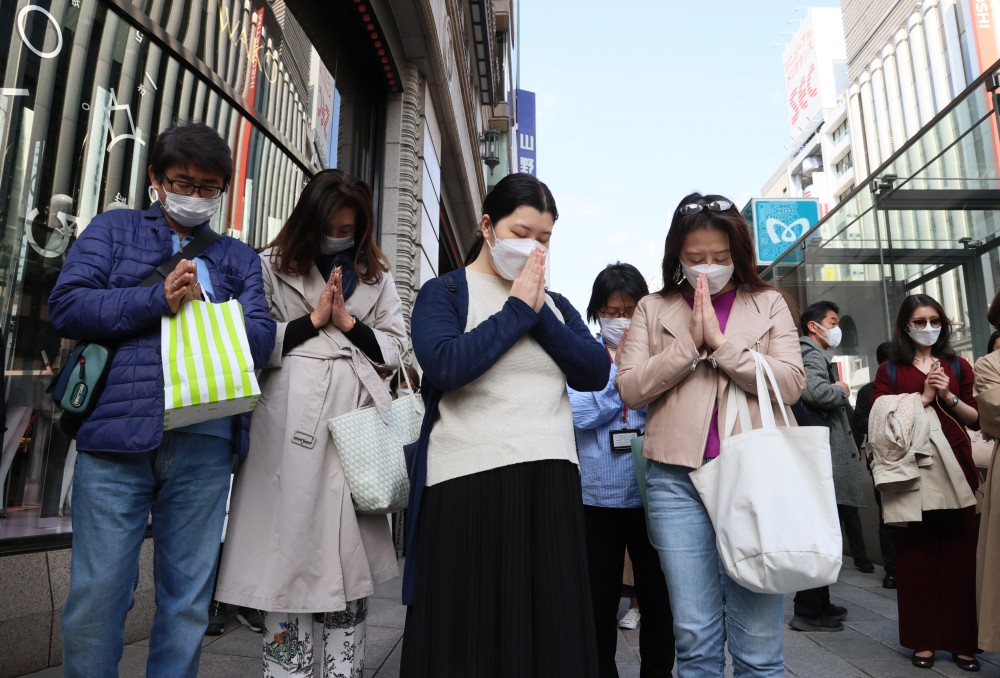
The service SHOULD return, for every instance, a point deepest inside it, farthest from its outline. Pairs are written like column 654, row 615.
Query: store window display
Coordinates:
column 82, row 91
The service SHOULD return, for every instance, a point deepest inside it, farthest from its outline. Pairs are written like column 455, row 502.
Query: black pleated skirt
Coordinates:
column 501, row 586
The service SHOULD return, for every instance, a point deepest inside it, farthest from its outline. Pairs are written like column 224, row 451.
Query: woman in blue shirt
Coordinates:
column 613, row 512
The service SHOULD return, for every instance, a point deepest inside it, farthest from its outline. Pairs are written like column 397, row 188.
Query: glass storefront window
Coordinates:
column 927, row 221
column 86, row 86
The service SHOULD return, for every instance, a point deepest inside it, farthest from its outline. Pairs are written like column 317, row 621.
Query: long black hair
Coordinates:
column 511, row 192
column 616, row 277
column 903, row 350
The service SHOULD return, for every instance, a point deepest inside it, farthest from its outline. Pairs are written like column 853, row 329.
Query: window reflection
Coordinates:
column 83, row 93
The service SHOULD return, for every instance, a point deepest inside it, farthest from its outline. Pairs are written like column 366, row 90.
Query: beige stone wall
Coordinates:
column 33, row 590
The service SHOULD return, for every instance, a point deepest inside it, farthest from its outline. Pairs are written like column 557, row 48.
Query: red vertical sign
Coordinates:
column 986, row 48
column 241, row 153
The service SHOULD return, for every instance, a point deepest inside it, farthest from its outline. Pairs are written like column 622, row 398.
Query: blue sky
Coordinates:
column 641, row 103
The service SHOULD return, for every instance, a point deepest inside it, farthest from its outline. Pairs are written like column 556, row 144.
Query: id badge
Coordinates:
column 621, row 440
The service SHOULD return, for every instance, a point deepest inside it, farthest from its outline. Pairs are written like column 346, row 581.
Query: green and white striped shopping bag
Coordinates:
column 207, row 365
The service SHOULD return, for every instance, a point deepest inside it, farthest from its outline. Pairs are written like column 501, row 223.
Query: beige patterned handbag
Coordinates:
column 370, row 443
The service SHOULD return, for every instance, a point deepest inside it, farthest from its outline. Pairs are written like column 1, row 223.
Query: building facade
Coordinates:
column 410, row 95
column 915, row 128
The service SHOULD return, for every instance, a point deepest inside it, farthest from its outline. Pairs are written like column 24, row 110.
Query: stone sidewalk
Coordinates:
column 867, row 647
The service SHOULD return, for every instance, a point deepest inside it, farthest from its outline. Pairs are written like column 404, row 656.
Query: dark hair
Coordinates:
column 192, row 144
column 511, row 192
column 299, row 240
column 815, row 313
column 730, row 222
column 902, row 345
column 993, row 340
column 883, row 351
column 616, row 277
column 993, row 315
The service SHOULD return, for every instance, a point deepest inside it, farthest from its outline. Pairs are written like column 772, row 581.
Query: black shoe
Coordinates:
column 216, row 619
column 966, row 664
column 820, row 624
column 865, row 566
column 835, row 612
column 252, row 618
column 889, row 581
column 922, row 662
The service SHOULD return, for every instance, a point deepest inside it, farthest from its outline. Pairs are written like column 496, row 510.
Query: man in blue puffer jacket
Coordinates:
column 128, row 465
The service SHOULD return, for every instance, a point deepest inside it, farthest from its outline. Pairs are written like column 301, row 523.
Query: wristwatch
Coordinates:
column 953, row 402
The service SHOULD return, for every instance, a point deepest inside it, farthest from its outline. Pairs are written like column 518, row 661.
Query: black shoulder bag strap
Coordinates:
column 206, row 236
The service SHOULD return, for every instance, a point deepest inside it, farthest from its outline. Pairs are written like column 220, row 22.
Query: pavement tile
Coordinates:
column 818, row 662
column 625, row 653
column 390, row 667
column 240, row 642
column 389, row 613
column 899, row 669
column 855, row 647
column 380, row 641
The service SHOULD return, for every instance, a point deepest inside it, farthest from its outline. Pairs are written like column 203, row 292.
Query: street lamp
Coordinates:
column 489, row 148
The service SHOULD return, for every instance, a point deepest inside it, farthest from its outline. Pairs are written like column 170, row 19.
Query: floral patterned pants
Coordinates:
column 288, row 642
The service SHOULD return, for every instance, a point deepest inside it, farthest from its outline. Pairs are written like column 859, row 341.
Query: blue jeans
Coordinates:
column 708, row 606
column 184, row 483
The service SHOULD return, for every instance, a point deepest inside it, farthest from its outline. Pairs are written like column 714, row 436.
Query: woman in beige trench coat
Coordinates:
column 987, row 393
column 294, row 545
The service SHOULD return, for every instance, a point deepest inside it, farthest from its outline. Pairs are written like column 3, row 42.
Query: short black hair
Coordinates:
column 814, row 313
column 993, row 340
column 884, row 351
column 192, row 144
column 616, row 277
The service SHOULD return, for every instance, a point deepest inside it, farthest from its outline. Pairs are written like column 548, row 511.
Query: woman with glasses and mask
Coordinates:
column 935, row 557
column 686, row 345
column 496, row 573
column 612, row 509
column 294, row 544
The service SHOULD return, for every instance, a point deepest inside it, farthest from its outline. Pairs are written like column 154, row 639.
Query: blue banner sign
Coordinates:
column 526, row 158
column 778, row 223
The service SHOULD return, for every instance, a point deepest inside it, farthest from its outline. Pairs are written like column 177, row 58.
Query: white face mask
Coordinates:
column 717, row 274
column 925, row 337
column 611, row 330
column 833, row 335
column 403, row 392
column 189, row 211
column 332, row 245
column 511, row 254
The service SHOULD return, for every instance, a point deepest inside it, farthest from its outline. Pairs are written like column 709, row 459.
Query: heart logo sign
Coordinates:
column 779, row 232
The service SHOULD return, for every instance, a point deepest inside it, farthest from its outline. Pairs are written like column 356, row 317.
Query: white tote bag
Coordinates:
column 207, row 364
column 370, row 443
column 770, row 497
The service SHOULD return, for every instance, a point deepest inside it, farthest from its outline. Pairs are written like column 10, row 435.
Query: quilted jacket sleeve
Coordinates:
column 259, row 323
column 83, row 307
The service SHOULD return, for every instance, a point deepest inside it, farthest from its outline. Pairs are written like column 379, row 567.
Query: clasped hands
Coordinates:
column 705, row 330
column 181, row 285
column 330, row 307
column 529, row 286
column 936, row 386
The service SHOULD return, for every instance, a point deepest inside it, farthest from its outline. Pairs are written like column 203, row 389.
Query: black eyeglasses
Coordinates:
column 921, row 323
column 187, row 188
column 609, row 314
column 714, row 205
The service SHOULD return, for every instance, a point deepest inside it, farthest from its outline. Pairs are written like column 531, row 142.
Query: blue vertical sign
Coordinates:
column 526, row 133
column 778, row 223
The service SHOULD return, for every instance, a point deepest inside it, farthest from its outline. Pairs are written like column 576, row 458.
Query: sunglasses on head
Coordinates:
column 713, row 205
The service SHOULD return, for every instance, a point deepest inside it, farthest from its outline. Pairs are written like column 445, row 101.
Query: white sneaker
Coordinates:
column 630, row 620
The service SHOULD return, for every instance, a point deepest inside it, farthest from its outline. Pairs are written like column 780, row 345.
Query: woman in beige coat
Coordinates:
column 685, row 346
column 294, row 545
column 987, row 392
